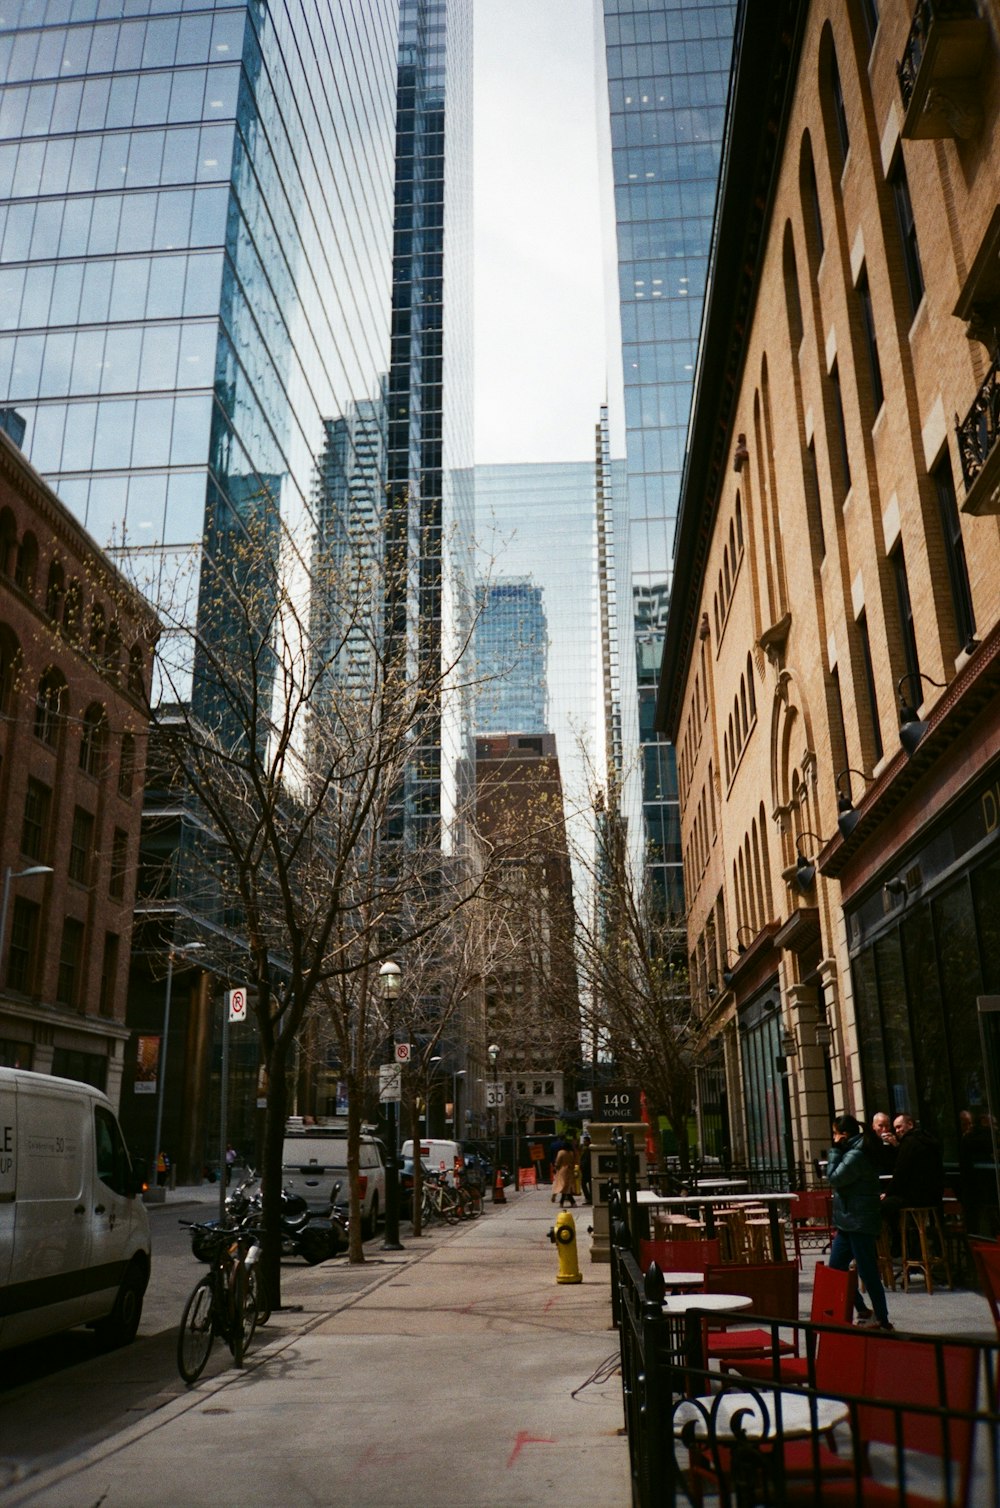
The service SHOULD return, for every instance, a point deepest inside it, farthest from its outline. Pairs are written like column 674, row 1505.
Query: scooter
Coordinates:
column 303, row 1234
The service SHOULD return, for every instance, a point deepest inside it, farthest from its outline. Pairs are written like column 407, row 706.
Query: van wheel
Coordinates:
column 371, row 1224
column 121, row 1325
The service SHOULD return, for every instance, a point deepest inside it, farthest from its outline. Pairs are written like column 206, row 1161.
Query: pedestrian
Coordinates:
column 585, row 1169
column 562, row 1180
column 230, row 1161
column 852, row 1171
column 162, row 1168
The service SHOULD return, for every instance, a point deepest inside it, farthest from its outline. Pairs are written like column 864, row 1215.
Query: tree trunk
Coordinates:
column 275, row 1117
column 355, row 1090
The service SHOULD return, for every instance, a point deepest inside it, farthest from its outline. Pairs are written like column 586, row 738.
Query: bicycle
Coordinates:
column 228, row 1301
column 439, row 1202
column 470, row 1199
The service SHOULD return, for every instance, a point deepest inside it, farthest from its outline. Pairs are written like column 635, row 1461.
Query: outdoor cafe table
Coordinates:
column 799, row 1415
column 683, row 1279
column 708, row 1203
column 677, row 1305
column 720, row 1183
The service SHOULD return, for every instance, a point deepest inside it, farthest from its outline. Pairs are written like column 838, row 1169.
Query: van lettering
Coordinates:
column 8, row 1139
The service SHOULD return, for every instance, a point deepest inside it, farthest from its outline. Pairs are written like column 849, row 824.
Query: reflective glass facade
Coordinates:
column 196, row 209
column 538, row 523
column 430, row 431
column 668, row 74
column 511, row 659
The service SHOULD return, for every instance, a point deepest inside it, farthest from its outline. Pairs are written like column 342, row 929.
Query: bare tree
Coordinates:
column 286, row 725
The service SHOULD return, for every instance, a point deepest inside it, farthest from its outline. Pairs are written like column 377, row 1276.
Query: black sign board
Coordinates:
column 617, row 1105
column 607, row 1162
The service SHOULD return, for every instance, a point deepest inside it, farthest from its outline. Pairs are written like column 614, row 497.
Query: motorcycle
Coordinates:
column 304, row 1234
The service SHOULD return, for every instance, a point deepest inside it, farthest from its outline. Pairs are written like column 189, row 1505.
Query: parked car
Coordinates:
column 314, row 1158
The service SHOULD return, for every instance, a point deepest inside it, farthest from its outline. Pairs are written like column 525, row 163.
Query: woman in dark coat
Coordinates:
column 857, row 1211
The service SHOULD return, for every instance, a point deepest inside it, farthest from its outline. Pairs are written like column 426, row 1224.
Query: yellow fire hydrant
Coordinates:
column 563, row 1234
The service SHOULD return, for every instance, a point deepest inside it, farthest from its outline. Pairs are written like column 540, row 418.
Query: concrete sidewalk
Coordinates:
column 447, row 1382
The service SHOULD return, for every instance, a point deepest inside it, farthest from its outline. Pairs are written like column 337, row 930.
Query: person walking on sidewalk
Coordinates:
column 852, row 1171
column 564, row 1176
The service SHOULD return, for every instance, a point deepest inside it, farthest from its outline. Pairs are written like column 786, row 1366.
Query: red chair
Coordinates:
column 915, row 1373
column 773, row 1288
column 679, row 1256
column 986, row 1255
column 811, row 1217
column 832, row 1304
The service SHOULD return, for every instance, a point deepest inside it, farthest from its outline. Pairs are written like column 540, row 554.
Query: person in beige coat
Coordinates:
column 564, row 1177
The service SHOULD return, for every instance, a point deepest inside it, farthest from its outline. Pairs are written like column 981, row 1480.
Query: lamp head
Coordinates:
column 911, row 729
column 390, row 977
column 847, row 818
column 805, row 873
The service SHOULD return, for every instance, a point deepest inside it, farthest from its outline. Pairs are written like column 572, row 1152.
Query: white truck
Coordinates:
column 74, row 1235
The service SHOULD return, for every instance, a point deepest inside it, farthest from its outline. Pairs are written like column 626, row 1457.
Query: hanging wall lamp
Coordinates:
column 911, row 727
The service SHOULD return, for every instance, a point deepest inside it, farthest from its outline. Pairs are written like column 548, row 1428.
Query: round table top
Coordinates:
column 679, row 1303
column 682, row 1279
column 798, row 1415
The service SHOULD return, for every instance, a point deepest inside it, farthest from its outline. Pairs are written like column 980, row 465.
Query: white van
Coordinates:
column 438, row 1154
column 74, row 1236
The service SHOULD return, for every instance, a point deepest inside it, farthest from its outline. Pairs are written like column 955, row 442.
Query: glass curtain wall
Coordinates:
column 668, row 67
column 195, row 235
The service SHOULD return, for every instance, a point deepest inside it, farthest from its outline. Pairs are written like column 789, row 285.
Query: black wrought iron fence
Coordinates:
column 831, row 1414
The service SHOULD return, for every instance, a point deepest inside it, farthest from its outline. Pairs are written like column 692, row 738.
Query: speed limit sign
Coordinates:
column 237, row 1002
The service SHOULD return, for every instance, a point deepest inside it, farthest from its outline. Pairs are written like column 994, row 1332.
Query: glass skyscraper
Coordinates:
column 430, row 477
column 537, row 522
column 511, row 644
column 668, row 65
column 196, row 216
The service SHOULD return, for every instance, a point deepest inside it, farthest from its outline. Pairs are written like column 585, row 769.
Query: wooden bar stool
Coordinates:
column 923, row 1222
column 886, row 1267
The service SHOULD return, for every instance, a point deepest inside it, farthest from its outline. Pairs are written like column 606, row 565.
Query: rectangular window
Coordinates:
column 869, row 673
column 119, row 855
column 34, row 825
column 907, row 232
column 871, row 341
column 126, row 768
column 906, row 625
column 109, row 974
column 840, row 427
column 70, row 954
column 81, row 846
column 23, row 940
column 954, row 547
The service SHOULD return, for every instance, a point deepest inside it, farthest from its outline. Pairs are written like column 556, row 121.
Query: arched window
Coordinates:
column 97, row 631
column 743, row 706
column 765, row 861
column 739, row 523
column 750, row 688
column 732, row 546
column 10, row 659
column 736, row 723
column 715, row 610
column 113, row 650
column 8, row 543
column 94, row 740
column 55, row 591
column 73, row 612
column 725, row 570
column 136, row 670
column 50, row 702
column 26, row 567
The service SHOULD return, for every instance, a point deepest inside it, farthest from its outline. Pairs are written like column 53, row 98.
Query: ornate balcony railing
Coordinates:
column 979, row 431
column 942, row 56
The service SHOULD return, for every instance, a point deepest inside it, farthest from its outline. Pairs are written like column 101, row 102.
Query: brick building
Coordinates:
column 831, row 672
column 75, row 664
column 532, row 1002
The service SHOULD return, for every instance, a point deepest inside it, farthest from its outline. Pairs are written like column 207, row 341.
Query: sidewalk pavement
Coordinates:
column 448, row 1381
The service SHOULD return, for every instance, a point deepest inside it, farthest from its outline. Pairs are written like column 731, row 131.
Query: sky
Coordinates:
column 539, row 258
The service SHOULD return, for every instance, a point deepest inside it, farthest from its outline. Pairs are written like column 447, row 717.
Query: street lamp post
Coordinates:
column 9, row 876
column 493, row 1052
column 161, row 1085
column 390, row 979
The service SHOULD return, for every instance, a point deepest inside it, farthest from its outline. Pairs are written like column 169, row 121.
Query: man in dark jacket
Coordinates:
column 918, row 1176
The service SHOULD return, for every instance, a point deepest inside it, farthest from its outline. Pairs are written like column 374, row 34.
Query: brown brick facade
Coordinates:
column 828, row 548
column 75, row 665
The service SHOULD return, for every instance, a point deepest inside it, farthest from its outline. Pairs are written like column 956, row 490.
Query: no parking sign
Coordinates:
column 237, row 1002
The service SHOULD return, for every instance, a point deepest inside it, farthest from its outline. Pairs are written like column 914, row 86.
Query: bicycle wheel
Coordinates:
column 449, row 1206
column 475, row 1202
column 242, row 1313
column 260, row 1290
column 197, row 1330
column 428, row 1208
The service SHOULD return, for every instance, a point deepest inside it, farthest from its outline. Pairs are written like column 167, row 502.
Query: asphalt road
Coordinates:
column 61, row 1395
